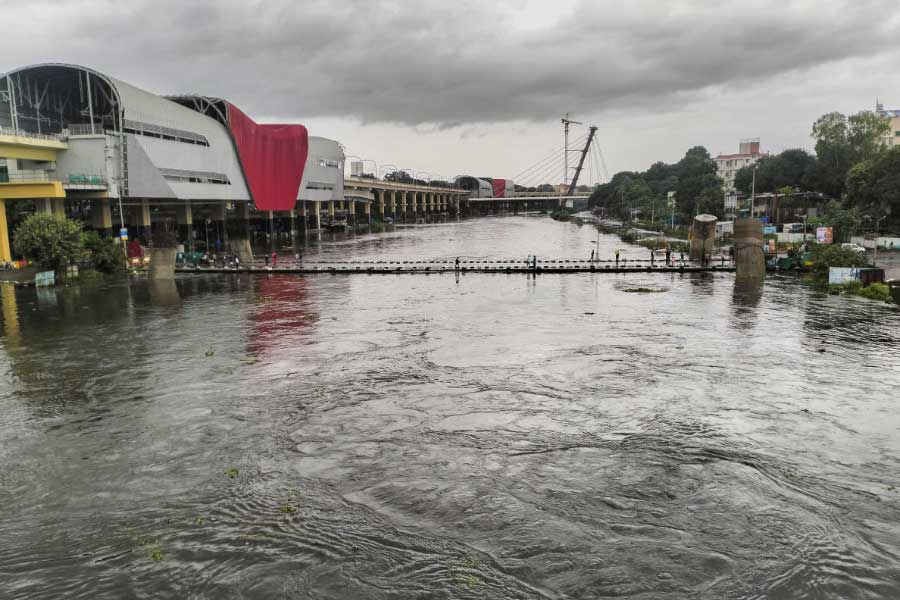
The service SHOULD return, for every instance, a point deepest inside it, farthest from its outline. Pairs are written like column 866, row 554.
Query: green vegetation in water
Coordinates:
column 232, row 473
column 462, row 572
column 156, row 555
column 287, row 509
column 200, row 521
column 210, row 353
column 879, row 292
column 643, row 290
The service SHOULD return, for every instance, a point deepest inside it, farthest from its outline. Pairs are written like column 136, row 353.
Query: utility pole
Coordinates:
column 753, row 191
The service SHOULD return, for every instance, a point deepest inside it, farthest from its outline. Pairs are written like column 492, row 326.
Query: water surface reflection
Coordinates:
column 432, row 436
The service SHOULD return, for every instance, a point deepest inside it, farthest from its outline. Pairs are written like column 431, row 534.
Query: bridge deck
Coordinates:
column 388, row 267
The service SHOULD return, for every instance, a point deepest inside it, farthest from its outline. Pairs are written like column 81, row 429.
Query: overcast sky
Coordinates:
column 479, row 87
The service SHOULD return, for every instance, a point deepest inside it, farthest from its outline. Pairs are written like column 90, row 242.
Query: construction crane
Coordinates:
column 566, row 121
column 587, row 146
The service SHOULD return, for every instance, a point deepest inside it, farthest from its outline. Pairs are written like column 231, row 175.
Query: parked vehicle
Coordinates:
column 854, row 247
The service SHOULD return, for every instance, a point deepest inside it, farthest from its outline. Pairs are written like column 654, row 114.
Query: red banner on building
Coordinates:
column 273, row 158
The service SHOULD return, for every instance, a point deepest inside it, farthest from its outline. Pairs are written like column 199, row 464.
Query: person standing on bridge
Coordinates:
column 617, row 258
column 592, row 256
column 457, row 263
column 653, row 257
column 668, row 256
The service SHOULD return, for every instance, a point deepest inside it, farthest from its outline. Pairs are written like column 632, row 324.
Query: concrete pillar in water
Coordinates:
column 703, row 236
column 351, row 208
column 101, row 216
column 318, row 206
column 380, row 195
column 367, row 207
column 184, row 218
column 140, row 220
column 403, row 198
column 750, row 263
column 5, row 253
column 394, row 203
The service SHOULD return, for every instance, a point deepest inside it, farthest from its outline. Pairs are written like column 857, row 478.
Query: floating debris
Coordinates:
column 232, row 472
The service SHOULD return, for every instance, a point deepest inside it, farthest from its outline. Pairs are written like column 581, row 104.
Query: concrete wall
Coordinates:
column 91, row 155
column 322, row 172
column 883, row 242
column 219, row 157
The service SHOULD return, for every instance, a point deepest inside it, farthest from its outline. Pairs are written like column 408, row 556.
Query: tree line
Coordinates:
column 852, row 165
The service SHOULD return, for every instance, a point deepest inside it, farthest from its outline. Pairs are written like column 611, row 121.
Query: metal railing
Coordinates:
column 84, row 179
column 85, row 129
column 56, row 137
column 26, row 177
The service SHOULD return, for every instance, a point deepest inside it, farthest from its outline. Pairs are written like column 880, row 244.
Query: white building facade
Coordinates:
column 727, row 165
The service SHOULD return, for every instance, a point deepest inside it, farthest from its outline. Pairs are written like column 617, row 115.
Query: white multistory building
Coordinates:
column 727, row 165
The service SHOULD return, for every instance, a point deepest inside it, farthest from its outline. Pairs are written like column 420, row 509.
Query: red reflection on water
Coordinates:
column 283, row 312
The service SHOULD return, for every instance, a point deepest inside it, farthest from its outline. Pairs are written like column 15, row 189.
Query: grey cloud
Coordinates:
column 447, row 64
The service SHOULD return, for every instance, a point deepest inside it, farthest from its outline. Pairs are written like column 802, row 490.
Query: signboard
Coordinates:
column 840, row 275
column 670, row 200
column 45, row 278
column 123, row 233
column 824, row 235
column 770, row 230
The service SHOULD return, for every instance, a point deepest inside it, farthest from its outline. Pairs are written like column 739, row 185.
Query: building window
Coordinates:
column 330, row 163
column 318, row 185
column 897, row 133
column 195, row 176
column 164, row 133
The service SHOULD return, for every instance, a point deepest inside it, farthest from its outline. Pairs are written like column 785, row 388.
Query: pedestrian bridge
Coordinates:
column 398, row 266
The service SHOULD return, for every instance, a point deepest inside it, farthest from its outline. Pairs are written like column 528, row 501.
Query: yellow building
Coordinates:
column 27, row 163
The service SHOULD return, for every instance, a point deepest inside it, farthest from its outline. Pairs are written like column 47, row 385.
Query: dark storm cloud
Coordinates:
column 447, row 63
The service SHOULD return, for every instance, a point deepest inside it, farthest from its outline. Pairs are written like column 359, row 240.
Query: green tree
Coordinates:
column 792, row 168
column 873, row 187
column 52, row 242
column 841, row 142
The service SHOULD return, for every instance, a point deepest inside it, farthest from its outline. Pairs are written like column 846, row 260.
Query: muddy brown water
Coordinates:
column 481, row 436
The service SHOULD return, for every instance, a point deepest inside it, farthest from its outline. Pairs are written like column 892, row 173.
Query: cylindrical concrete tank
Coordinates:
column 748, row 254
column 703, row 236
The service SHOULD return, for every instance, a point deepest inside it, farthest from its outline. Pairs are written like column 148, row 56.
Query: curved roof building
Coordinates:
column 137, row 144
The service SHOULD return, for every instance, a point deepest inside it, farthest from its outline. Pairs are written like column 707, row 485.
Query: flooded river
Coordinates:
column 428, row 436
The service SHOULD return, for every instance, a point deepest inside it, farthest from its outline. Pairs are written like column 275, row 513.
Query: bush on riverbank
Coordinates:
column 825, row 256
column 50, row 241
column 561, row 215
column 103, row 254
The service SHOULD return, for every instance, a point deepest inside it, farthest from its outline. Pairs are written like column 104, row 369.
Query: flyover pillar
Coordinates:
column 140, row 219
column 380, row 195
column 184, row 219
column 351, row 207
column 101, row 216
column 318, row 206
column 367, row 207
column 394, row 203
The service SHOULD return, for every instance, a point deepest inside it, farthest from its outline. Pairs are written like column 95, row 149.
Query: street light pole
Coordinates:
column 875, row 254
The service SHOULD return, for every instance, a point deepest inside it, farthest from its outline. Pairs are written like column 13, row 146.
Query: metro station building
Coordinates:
column 79, row 143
